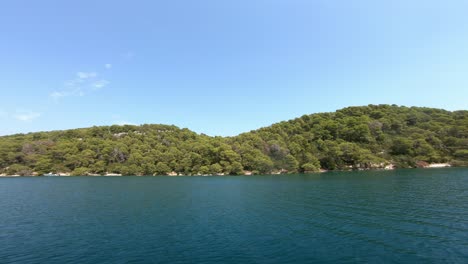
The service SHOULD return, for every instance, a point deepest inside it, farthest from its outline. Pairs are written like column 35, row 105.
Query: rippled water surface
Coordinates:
column 403, row 216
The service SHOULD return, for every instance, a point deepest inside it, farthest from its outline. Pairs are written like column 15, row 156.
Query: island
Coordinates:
column 353, row 138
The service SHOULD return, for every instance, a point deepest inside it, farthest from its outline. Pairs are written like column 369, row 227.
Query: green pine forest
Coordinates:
column 366, row 137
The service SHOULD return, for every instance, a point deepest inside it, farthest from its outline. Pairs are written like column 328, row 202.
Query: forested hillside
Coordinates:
column 351, row 138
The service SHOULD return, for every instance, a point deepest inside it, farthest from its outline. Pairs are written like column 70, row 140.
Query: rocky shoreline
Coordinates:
column 246, row 173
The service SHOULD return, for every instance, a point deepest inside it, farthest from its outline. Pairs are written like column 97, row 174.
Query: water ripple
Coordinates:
column 404, row 216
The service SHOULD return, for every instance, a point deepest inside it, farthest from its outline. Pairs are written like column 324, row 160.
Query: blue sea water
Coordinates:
column 401, row 216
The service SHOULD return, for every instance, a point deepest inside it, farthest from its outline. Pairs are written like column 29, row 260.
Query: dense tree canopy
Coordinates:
column 354, row 137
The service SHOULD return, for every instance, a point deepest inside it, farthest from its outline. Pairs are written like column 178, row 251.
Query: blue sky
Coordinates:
column 224, row 67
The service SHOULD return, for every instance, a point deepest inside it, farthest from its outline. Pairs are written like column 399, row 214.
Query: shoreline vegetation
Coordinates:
column 373, row 137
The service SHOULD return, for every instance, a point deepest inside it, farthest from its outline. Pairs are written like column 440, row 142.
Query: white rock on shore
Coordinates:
column 6, row 175
column 113, row 174
column 438, row 165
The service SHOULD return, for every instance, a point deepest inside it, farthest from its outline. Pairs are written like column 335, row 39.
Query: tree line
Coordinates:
column 363, row 137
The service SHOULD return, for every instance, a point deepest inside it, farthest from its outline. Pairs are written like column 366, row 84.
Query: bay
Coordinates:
column 401, row 216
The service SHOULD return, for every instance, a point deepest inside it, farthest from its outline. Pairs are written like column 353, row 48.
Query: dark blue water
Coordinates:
column 403, row 216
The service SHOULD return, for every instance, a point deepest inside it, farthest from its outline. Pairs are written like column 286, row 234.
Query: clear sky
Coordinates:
column 224, row 67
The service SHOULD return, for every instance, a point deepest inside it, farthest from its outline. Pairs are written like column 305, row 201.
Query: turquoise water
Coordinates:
column 402, row 216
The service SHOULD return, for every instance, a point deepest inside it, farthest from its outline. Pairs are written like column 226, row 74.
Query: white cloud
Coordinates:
column 74, row 82
column 83, row 83
column 100, row 84
column 108, row 66
column 86, row 75
column 57, row 95
column 70, row 90
column 26, row 116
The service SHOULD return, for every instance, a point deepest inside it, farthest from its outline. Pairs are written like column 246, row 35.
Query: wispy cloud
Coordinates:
column 100, row 84
column 57, row 95
column 83, row 83
column 26, row 116
column 68, row 92
column 86, row 75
